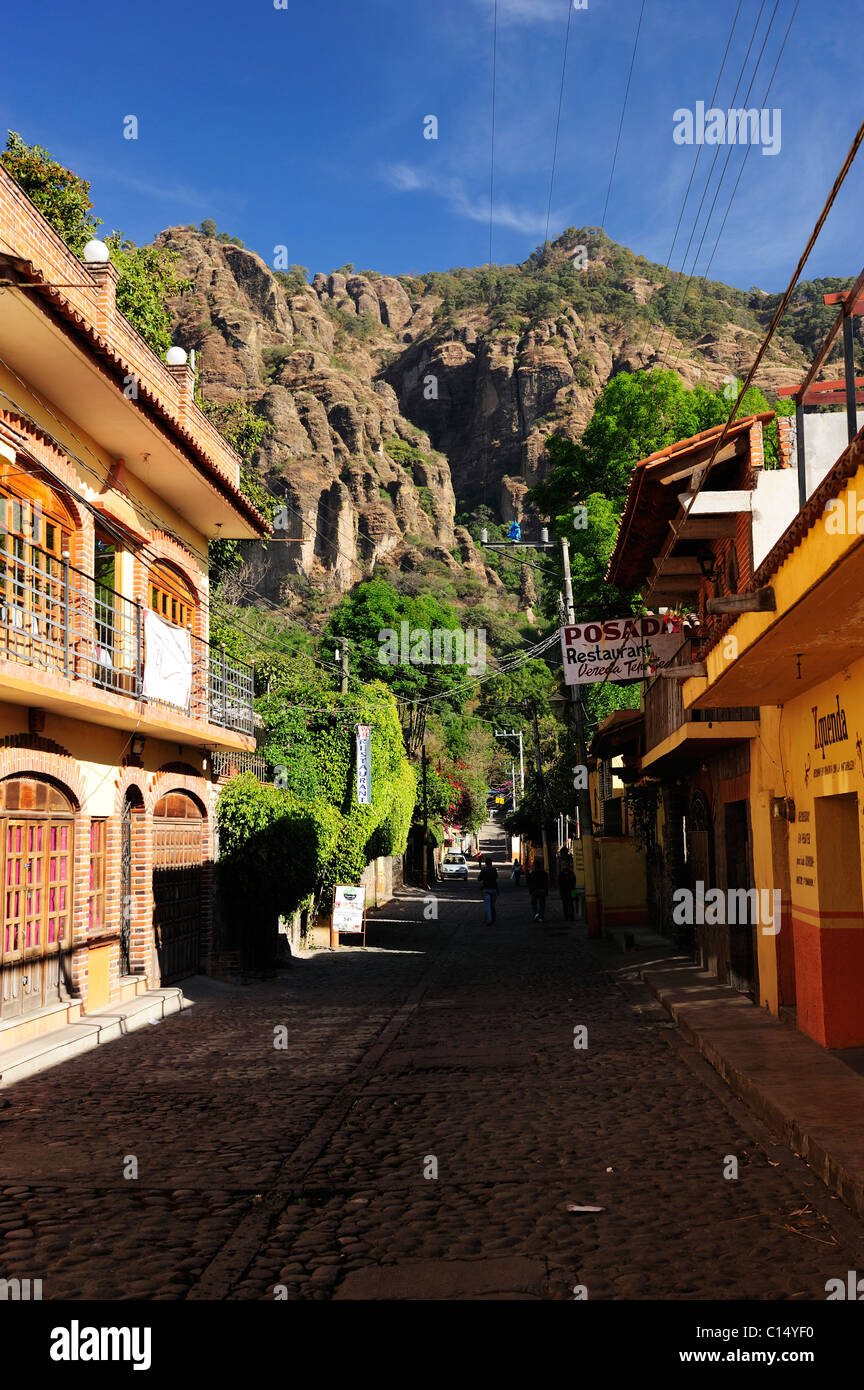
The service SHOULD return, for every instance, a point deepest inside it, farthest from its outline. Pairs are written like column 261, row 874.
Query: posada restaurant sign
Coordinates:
column 620, row 649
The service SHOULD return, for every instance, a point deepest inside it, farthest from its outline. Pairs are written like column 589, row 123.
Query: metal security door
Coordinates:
column 177, row 856
column 742, row 952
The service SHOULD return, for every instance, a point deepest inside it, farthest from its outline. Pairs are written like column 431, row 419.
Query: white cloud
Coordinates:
column 176, row 193
column 452, row 191
column 525, row 11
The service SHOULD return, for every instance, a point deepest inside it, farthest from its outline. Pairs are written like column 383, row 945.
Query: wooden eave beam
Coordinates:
column 676, row 473
column 759, row 601
column 706, row 528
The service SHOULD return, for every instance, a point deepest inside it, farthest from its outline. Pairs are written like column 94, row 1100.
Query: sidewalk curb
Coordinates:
column 813, row 1101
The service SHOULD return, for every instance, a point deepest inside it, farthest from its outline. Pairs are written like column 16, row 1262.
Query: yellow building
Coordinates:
column 806, row 660
column 112, row 703
column 755, row 753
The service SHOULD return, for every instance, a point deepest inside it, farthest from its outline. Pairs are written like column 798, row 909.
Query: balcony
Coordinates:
column 674, row 733
column 91, row 641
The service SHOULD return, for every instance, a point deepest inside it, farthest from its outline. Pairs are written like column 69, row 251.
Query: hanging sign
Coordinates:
column 364, row 765
column 348, row 905
column 620, row 649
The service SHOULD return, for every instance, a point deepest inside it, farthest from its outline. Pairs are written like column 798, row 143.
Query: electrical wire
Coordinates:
column 492, row 151
column 730, row 148
column 705, row 469
column 699, row 149
column 621, row 122
column 557, row 127
column 672, row 310
column 749, row 147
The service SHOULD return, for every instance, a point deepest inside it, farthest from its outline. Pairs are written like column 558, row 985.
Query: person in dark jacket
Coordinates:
column 489, row 884
column 517, row 872
column 566, row 884
column 538, row 887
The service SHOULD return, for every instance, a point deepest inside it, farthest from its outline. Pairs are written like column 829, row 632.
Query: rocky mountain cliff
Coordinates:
column 400, row 405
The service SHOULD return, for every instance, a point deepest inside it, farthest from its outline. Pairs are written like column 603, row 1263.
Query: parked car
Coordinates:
column 454, row 865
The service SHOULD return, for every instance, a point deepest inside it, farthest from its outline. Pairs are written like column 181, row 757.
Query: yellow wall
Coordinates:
column 97, row 752
column 823, row 926
column 622, row 886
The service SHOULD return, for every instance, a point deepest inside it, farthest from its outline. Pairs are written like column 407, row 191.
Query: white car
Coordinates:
column 454, row 865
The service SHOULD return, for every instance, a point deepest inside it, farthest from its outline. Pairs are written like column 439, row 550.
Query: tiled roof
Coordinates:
column 650, row 504
column 110, row 359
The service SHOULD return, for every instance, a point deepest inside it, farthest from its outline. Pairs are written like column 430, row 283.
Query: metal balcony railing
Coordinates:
column 56, row 617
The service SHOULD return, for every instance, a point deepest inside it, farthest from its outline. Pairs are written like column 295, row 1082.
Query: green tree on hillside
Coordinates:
column 374, row 608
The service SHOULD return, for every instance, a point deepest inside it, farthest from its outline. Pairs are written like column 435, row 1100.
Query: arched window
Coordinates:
column 32, row 514
column 171, row 596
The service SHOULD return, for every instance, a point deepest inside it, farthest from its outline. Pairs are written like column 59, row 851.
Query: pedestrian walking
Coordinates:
column 538, row 886
column 517, row 872
column 566, row 885
column 489, row 884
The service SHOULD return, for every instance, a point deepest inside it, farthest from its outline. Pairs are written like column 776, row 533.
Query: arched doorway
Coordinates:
column 178, row 854
column 37, row 860
column 130, row 821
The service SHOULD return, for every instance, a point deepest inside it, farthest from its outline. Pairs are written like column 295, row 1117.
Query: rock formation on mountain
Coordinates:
column 396, row 403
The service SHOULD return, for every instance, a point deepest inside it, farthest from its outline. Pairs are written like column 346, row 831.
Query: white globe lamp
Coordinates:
column 96, row 252
column 175, row 357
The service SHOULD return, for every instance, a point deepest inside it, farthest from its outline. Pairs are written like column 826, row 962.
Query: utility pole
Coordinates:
column 583, row 794
column 425, row 823
column 542, row 788
column 342, row 658
column 515, row 733
column 513, row 781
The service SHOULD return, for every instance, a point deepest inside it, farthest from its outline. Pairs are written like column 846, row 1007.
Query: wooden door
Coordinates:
column 36, row 863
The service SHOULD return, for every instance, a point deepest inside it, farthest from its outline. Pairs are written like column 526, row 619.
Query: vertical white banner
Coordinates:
column 364, row 765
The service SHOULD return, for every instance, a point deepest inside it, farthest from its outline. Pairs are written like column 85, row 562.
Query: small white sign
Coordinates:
column 348, row 905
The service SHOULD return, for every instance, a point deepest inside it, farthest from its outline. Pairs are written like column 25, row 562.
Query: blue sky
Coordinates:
column 303, row 126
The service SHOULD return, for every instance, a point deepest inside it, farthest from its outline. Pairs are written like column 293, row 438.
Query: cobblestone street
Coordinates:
column 304, row 1167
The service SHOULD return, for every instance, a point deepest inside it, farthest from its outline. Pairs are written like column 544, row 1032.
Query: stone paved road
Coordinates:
column 448, row 1040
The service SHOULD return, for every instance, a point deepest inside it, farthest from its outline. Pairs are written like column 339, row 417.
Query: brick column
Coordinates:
column 105, row 275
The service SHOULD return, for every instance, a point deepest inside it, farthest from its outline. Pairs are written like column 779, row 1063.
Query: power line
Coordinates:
column 699, row 149
column 705, row 469
column 749, row 147
column 492, row 152
column 557, row 125
column 704, row 194
column 730, row 149
column 621, row 122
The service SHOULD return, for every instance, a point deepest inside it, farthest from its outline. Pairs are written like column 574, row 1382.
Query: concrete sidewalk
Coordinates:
column 811, row 1099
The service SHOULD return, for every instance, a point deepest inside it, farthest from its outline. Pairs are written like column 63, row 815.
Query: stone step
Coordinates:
column 89, row 1031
